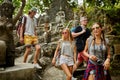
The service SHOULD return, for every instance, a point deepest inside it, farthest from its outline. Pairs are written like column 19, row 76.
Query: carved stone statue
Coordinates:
column 47, row 28
column 60, row 19
column 2, row 51
column 7, row 49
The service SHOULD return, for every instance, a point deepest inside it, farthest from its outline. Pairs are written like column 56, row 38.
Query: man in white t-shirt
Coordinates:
column 30, row 37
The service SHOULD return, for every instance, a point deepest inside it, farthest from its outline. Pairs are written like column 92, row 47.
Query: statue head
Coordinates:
column 6, row 9
column 46, row 19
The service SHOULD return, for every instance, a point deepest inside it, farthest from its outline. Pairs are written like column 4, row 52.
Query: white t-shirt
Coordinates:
column 30, row 25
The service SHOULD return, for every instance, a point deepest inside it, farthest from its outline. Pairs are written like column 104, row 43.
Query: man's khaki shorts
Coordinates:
column 28, row 39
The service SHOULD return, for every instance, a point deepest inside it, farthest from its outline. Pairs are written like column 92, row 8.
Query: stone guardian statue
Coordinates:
column 7, row 48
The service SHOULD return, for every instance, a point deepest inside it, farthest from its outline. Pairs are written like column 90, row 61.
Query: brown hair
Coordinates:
column 102, row 33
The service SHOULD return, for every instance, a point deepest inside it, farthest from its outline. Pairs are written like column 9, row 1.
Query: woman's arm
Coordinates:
column 85, row 52
column 108, row 55
column 92, row 57
column 107, row 61
column 75, row 56
column 56, row 53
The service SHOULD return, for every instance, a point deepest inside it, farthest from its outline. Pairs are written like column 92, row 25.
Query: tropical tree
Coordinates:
column 105, row 11
column 23, row 6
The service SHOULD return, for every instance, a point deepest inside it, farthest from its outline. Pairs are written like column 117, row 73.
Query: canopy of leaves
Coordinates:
column 93, row 8
column 102, row 3
column 97, row 10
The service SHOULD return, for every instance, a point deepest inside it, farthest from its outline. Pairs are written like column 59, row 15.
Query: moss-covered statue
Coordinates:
column 7, row 49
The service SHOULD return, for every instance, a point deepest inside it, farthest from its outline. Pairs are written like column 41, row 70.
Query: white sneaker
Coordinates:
column 85, row 64
column 74, row 78
column 37, row 66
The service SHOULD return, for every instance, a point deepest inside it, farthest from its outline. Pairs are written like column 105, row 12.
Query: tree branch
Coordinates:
column 19, row 12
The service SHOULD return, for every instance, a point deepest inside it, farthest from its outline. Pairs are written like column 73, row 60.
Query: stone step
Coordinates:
column 21, row 71
column 81, row 69
column 79, row 73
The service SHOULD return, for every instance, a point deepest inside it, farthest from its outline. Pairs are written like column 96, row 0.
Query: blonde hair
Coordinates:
column 70, row 38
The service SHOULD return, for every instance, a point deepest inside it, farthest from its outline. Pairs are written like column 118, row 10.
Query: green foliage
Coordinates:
column 97, row 10
column 1, row 1
column 16, row 3
column 102, row 3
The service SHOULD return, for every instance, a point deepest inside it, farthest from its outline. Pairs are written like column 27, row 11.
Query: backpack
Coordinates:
column 19, row 24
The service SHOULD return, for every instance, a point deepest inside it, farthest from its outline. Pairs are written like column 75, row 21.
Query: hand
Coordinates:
column 74, row 67
column 93, row 57
column 21, row 40
column 53, row 61
column 106, row 64
column 83, row 31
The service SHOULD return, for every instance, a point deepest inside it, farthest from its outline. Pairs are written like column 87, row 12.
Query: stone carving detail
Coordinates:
column 60, row 20
column 116, row 60
column 47, row 28
column 6, row 34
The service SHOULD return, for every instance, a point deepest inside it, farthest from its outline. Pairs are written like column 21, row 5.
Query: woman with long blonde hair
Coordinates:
column 68, row 53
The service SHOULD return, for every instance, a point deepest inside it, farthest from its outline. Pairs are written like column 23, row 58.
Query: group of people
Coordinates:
column 80, row 44
column 77, row 45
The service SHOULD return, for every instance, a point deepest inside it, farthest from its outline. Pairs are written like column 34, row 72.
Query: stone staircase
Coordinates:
column 21, row 71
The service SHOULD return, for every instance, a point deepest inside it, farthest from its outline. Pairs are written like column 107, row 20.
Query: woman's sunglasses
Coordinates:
column 95, row 28
column 64, row 32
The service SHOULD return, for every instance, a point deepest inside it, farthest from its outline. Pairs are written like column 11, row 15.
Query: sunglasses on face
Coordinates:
column 95, row 28
column 64, row 32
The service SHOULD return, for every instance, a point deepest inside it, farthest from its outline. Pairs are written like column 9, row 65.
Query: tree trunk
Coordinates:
column 19, row 12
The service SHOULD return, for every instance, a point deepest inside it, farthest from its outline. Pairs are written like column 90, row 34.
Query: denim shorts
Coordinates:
column 66, row 60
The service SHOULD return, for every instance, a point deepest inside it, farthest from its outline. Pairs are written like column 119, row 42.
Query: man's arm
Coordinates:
column 21, row 34
column 78, row 33
column 35, row 28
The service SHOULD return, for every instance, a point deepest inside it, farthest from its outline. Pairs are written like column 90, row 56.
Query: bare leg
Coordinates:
column 76, row 65
column 37, row 52
column 27, row 51
column 71, row 69
column 91, row 77
column 67, row 71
